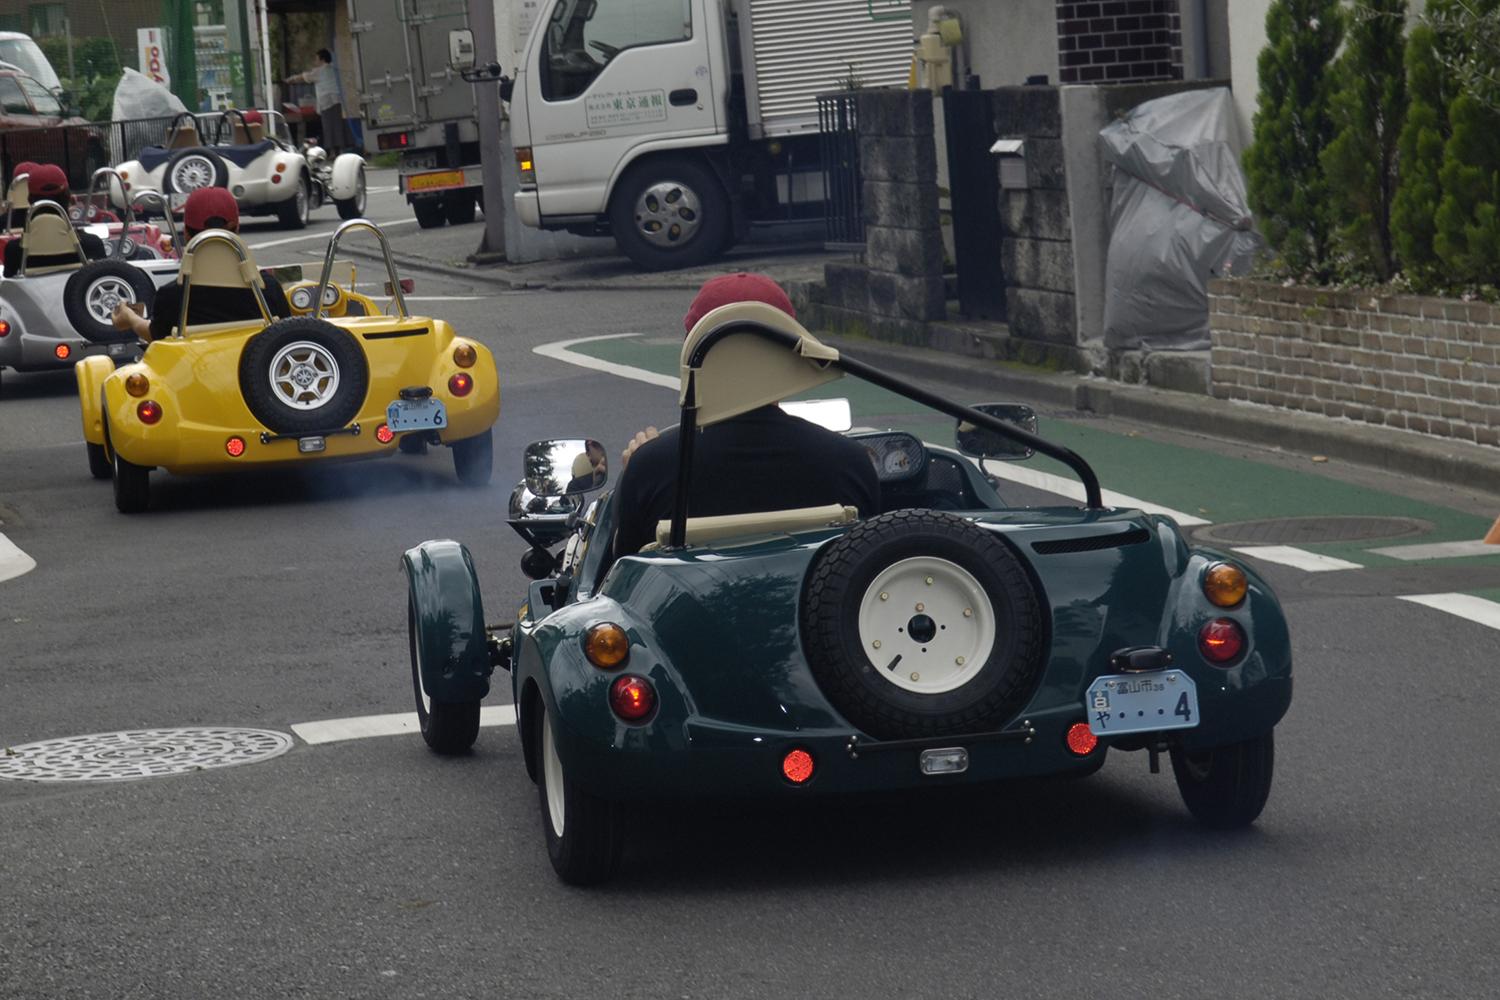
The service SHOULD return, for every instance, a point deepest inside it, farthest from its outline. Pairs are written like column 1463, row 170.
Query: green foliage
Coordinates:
column 1467, row 240
column 1420, row 153
column 1368, row 111
column 96, row 70
column 1293, row 125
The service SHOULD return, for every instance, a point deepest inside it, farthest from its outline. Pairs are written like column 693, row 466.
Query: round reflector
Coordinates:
column 606, row 645
column 1081, row 739
column 4, row 328
column 62, row 351
column 1221, row 641
column 137, row 385
column 464, row 356
column 384, row 434
column 632, row 698
column 235, row 446
column 461, row 384
column 1224, row 584
column 275, row 178
column 797, row 766
column 149, row 411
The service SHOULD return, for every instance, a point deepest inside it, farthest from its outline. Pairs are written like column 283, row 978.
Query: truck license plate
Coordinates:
column 1141, row 703
column 416, row 415
column 439, row 181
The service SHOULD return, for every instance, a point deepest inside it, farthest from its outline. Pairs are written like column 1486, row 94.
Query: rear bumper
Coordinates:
column 28, row 352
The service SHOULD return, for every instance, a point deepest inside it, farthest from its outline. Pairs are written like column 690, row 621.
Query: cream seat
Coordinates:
column 216, row 258
column 49, row 233
column 703, row 530
column 184, row 136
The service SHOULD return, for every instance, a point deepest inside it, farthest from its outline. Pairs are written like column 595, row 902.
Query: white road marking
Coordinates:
column 13, row 562
column 364, row 727
column 434, row 298
column 1073, row 490
column 559, row 352
column 1475, row 609
column 382, row 190
column 1287, row 555
column 323, row 236
column 1438, row 550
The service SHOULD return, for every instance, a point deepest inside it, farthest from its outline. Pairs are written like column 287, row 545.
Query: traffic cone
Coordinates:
column 1493, row 538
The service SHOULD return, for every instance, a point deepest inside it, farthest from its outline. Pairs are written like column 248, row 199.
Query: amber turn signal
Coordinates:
column 606, row 645
column 464, row 355
column 1225, row 585
column 137, row 385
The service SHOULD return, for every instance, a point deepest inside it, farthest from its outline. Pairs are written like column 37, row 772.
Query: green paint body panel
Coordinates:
column 449, row 620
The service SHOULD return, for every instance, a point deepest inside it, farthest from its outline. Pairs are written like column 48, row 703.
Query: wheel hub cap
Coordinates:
column 304, row 375
column 106, row 293
column 192, row 173
column 926, row 625
column 669, row 214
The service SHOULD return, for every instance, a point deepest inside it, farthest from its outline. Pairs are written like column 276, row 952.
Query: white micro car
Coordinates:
column 256, row 160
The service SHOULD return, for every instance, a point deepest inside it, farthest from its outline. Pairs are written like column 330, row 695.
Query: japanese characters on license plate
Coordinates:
column 1141, row 703
column 416, row 415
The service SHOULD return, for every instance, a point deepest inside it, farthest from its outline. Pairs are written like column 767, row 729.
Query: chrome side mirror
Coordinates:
column 830, row 414
column 565, row 468
column 981, row 442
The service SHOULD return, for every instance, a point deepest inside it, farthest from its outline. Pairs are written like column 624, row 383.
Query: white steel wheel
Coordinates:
column 304, row 375
column 191, row 173
column 552, row 774
column 927, row 625
column 103, row 294
column 668, row 214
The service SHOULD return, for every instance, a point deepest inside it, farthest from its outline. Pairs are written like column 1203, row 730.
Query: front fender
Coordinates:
column 446, row 622
column 344, row 182
column 90, row 374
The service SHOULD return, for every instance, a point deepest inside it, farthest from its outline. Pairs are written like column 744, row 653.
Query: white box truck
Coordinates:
column 674, row 125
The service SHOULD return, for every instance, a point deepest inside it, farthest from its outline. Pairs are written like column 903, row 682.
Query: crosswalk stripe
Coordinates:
column 364, row 727
column 13, row 562
column 1475, row 609
column 1437, row 550
column 1289, row 555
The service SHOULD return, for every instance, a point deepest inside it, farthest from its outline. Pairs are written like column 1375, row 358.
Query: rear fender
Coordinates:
column 344, row 181
column 90, row 374
column 447, row 621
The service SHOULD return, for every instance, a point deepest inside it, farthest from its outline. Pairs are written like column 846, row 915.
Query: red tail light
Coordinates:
column 461, row 384
column 632, row 698
column 235, row 446
column 384, row 434
column 4, row 328
column 1221, row 641
column 63, row 351
column 1081, row 739
column 149, row 411
column 797, row 767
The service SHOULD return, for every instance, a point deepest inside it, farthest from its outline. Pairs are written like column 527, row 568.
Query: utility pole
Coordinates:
column 487, row 107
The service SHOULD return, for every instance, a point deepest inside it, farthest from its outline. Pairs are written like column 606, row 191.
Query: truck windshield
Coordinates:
column 41, row 99
column 584, row 36
column 27, row 55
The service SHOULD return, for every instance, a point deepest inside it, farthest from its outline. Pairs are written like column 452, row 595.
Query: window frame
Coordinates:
column 544, row 69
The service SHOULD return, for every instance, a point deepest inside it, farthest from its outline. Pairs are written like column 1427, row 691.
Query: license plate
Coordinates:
column 309, row 445
column 439, row 181
column 115, row 350
column 1141, row 703
column 416, row 415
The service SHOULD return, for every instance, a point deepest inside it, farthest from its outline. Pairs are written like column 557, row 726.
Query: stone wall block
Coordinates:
column 906, row 159
column 890, row 112
column 1044, row 164
column 901, row 206
column 1023, row 112
column 914, row 252
column 1048, row 265
column 909, row 298
column 1036, row 214
column 847, row 285
column 1042, row 315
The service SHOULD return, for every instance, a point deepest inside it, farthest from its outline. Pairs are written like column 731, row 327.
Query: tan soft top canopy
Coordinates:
column 744, row 371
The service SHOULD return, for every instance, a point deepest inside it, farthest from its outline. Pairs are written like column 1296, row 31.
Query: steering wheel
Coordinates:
column 605, row 49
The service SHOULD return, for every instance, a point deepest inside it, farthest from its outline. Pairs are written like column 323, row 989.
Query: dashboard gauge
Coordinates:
column 898, row 456
column 896, row 463
column 302, row 298
column 331, row 295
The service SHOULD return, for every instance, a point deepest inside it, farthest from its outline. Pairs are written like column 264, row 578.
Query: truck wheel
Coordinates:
column 585, row 834
column 429, row 212
column 92, row 292
column 446, row 728
column 295, row 212
column 474, row 459
column 132, row 486
column 1226, row 788
column 353, row 208
column 458, row 207
column 669, row 214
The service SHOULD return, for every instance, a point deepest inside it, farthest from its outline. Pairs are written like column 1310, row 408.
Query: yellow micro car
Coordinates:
column 311, row 388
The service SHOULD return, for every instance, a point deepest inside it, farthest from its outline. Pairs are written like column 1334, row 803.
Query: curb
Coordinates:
column 478, row 274
column 1399, row 452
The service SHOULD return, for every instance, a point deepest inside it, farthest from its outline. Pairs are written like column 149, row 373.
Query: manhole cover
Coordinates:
column 139, row 753
column 1291, row 530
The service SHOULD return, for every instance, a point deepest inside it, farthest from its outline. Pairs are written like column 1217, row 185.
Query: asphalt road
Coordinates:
column 370, row 868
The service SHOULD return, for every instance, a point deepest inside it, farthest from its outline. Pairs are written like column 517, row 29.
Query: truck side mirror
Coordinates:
column 461, row 49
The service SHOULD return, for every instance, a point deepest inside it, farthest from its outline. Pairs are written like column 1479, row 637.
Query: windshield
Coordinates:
column 41, row 98
column 25, row 54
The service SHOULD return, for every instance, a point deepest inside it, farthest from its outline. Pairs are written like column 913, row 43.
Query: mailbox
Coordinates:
column 1012, row 153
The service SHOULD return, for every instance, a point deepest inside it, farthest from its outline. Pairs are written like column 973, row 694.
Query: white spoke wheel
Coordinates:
column 106, row 293
column 304, row 375
column 584, row 833
column 191, row 173
column 927, row 625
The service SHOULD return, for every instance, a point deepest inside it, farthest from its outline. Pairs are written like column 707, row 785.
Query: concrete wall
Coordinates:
column 1006, row 40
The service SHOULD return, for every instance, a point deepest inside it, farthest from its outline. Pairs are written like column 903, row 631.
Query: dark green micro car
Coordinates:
column 949, row 640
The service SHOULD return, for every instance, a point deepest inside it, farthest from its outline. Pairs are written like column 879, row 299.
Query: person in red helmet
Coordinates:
column 45, row 182
column 762, row 460
column 206, row 208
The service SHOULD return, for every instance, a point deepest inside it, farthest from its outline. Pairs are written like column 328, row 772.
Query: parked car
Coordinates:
column 257, row 393
column 946, row 639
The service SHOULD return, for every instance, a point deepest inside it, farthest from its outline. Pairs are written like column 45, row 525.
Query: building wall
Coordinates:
column 1005, row 42
column 1119, row 41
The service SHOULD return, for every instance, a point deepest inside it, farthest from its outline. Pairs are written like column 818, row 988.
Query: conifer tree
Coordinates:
column 1467, row 237
column 1420, row 153
column 1292, row 127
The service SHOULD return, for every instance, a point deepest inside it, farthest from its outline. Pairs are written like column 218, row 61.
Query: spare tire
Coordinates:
column 193, row 168
column 304, row 376
column 918, row 624
column 92, row 292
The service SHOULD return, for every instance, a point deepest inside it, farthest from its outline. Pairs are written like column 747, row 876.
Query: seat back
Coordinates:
column 18, row 197
column 702, row 530
column 183, row 136
column 49, row 233
column 742, row 371
column 216, row 258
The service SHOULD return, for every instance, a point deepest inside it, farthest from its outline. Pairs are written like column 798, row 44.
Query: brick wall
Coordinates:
column 1423, row 364
column 1119, row 41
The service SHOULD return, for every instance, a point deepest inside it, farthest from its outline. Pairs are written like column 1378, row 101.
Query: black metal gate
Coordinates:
column 974, row 184
column 843, row 194
column 80, row 149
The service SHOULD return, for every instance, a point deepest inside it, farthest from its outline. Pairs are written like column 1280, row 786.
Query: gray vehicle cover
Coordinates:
column 1179, row 217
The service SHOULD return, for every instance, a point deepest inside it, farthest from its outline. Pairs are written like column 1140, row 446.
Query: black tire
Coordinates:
column 1226, row 788
column 448, row 729
column 586, row 851
column 273, row 357
column 353, row 208
column 653, row 198
column 474, row 459
column 92, row 291
column 100, row 467
column 458, row 207
column 132, row 486
column 190, row 169
column 429, row 212
column 1001, row 626
column 295, row 212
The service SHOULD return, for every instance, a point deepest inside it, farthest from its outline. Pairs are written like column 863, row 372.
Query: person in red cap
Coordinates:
column 206, row 208
column 762, row 460
column 45, row 182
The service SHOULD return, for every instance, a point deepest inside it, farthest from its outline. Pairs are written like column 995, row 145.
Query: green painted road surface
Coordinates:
column 1198, row 481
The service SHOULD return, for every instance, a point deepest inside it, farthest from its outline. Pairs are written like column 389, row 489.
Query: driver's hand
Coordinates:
column 121, row 316
column 649, row 434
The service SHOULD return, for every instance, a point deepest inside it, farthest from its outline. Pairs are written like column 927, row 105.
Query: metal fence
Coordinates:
column 838, row 126
column 80, row 149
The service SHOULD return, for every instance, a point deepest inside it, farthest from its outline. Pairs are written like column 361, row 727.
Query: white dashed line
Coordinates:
column 1438, row 550
column 365, row 727
column 559, row 352
column 1287, row 555
column 13, row 562
column 323, row 236
column 1073, row 490
column 1475, row 609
